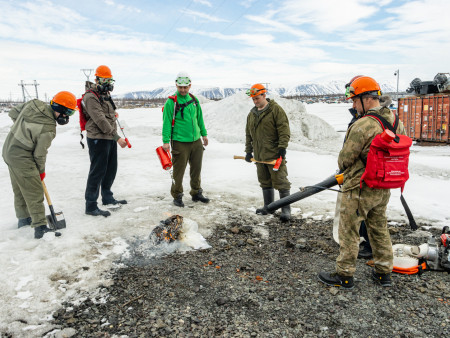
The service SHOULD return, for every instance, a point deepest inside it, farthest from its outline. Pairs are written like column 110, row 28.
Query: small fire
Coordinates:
column 168, row 230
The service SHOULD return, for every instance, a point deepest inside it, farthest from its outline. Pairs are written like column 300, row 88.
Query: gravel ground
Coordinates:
column 250, row 285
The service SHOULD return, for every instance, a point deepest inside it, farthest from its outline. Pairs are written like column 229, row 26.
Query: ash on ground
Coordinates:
column 248, row 285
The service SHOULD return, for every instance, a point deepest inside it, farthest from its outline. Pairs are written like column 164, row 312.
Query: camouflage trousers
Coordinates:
column 367, row 205
column 273, row 179
column 28, row 195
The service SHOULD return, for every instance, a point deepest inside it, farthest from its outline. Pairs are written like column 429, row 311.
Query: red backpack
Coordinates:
column 83, row 117
column 387, row 162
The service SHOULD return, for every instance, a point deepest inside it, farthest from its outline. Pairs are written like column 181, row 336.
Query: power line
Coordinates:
column 87, row 72
column 178, row 19
column 25, row 91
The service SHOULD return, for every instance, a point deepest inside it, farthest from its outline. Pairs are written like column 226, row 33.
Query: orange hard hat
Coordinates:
column 353, row 79
column 363, row 85
column 256, row 90
column 103, row 71
column 66, row 99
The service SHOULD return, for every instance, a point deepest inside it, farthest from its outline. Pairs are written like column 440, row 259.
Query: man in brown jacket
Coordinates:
column 102, row 139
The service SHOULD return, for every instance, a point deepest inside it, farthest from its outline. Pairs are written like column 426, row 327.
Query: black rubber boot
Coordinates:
column 40, row 231
column 268, row 195
column 178, row 202
column 333, row 279
column 98, row 212
column 286, row 210
column 199, row 197
column 23, row 222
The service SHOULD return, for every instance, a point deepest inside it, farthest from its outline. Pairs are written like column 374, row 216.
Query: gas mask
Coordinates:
column 62, row 119
column 105, row 85
column 64, row 113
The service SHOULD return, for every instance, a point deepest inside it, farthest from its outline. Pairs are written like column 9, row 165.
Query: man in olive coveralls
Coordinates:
column 186, row 135
column 25, row 153
column 267, row 135
column 362, row 204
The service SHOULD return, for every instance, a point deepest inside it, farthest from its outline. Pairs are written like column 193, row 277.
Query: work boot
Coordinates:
column 268, row 195
column 98, row 212
column 199, row 197
column 178, row 202
column 114, row 202
column 286, row 210
column 40, row 231
column 365, row 252
column 384, row 279
column 23, row 222
column 334, row 279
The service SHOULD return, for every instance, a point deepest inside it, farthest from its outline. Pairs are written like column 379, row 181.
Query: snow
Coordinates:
column 38, row 275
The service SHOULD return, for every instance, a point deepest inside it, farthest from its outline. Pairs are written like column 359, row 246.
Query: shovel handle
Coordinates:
column 236, row 157
column 47, row 196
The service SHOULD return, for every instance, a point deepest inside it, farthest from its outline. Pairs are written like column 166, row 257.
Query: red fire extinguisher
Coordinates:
column 164, row 157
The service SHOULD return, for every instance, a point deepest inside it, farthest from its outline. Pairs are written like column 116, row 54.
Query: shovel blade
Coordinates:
column 57, row 222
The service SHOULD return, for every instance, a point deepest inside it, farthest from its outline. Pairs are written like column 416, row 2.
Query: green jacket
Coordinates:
column 353, row 155
column 187, row 128
column 266, row 132
column 30, row 137
column 100, row 115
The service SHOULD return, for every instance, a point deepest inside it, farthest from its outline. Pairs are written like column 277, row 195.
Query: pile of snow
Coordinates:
column 226, row 120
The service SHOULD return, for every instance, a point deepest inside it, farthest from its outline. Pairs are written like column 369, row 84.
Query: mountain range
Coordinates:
column 310, row 88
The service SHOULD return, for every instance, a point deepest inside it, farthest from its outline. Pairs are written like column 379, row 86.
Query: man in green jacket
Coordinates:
column 25, row 153
column 267, row 135
column 183, row 126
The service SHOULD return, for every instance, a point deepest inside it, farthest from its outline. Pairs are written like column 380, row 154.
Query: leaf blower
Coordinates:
column 306, row 192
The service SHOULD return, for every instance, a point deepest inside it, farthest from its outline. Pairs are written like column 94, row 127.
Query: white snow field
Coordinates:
column 37, row 275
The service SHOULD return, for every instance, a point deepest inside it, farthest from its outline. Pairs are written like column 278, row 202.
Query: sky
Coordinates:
column 219, row 43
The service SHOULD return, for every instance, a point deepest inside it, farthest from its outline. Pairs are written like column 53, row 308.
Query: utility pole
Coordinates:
column 25, row 91
column 87, row 72
column 397, row 73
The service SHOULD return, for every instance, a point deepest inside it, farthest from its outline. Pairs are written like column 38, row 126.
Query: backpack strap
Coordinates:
column 386, row 125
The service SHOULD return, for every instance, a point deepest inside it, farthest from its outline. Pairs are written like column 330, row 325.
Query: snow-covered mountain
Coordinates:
column 309, row 88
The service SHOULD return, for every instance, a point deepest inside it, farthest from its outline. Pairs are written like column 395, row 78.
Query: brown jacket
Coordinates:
column 100, row 115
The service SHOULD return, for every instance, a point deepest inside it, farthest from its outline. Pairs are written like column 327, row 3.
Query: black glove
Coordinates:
column 248, row 157
column 282, row 153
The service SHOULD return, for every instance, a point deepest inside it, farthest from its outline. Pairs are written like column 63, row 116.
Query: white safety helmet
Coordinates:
column 183, row 79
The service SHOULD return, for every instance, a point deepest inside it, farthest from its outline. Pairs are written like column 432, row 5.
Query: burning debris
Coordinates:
column 168, row 230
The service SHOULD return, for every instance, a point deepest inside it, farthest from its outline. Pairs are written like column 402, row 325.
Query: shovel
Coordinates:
column 55, row 220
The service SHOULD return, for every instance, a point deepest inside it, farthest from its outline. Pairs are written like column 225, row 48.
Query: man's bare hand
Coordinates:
column 122, row 142
column 166, row 146
column 205, row 140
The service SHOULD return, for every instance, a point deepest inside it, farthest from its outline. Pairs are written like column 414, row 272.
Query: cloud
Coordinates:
column 121, row 7
column 325, row 15
column 272, row 25
column 203, row 2
column 202, row 15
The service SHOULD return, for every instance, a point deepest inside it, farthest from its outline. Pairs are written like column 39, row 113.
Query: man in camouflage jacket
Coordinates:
column 362, row 204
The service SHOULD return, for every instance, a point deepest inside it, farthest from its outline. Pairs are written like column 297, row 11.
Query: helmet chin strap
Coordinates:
column 362, row 105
